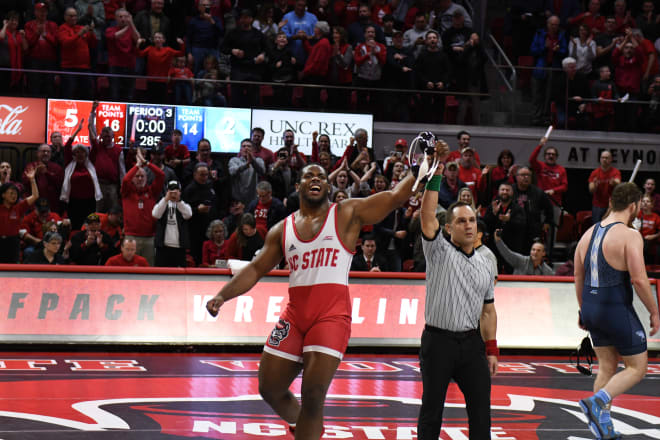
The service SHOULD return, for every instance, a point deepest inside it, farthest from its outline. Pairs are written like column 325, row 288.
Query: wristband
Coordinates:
column 434, row 183
column 491, row 348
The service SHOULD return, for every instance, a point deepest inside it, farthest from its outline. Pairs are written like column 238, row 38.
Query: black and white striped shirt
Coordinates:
column 457, row 285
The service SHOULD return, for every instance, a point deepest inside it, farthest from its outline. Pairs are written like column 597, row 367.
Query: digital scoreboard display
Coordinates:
column 148, row 124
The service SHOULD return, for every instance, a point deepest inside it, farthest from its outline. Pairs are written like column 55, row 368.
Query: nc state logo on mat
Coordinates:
column 279, row 333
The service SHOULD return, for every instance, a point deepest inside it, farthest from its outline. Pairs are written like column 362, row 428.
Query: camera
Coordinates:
column 282, row 155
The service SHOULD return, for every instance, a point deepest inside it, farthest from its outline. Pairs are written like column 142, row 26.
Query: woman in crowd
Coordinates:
column 339, row 196
column 215, row 248
column 583, row 49
column 13, row 45
column 246, row 240
column 5, row 176
column 80, row 189
column 50, row 253
column 340, row 69
column 264, row 22
column 12, row 211
column 396, row 173
column 492, row 176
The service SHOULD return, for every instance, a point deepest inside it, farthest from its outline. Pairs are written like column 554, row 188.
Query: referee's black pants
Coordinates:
column 461, row 356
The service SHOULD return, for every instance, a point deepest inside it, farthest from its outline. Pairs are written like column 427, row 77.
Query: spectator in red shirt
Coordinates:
column 34, row 225
column 315, row 70
column 11, row 213
column 623, row 16
column 177, row 155
column 182, row 77
column 257, row 137
column 464, row 142
column 111, row 224
column 138, row 201
column 493, row 176
column 551, row 177
column 215, row 248
column 601, row 184
column 41, row 36
column 267, row 210
column 49, row 177
column 248, row 238
column 122, row 41
column 591, row 18
column 628, row 60
column 80, row 187
column 13, row 45
column 159, row 61
column 128, row 256
column 649, row 190
column 468, row 170
column 650, row 230
column 75, row 44
column 108, row 159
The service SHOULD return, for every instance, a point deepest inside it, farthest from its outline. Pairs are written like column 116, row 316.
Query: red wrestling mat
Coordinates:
column 184, row 396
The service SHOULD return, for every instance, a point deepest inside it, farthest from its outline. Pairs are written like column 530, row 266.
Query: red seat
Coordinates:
column 567, row 232
column 583, row 221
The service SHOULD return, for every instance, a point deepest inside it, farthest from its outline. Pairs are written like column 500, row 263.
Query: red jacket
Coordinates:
column 121, row 49
column 318, row 58
column 105, row 160
column 138, row 203
column 119, row 260
column 159, row 60
column 628, row 72
column 41, row 48
column 74, row 48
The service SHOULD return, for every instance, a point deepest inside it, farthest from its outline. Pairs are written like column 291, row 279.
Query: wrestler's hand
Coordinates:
column 214, row 304
column 655, row 323
column 492, row 365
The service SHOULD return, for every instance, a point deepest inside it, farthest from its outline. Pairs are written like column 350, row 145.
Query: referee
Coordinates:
column 460, row 315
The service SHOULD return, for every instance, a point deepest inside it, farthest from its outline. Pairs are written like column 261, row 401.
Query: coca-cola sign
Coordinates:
column 22, row 120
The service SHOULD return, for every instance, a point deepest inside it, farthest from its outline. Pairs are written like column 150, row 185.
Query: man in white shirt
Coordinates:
column 172, row 237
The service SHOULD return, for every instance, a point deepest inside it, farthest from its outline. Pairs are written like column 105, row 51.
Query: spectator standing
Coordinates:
column 549, row 48
column 601, row 184
column 12, row 211
column 172, row 232
column 264, row 21
column 218, row 175
column 356, row 28
column 281, row 177
column 443, row 15
column 315, row 71
column 138, row 201
column 570, row 107
column 524, row 265
column 650, row 230
column 282, row 67
column 623, row 16
column 299, row 25
column 649, row 191
column 203, row 34
column 201, row 197
column 244, row 171
column 50, row 252
column 127, row 257
column 153, row 21
column 41, row 36
column 583, row 49
column 91, row 246
column 57, row 148
column 122, row 41
column 398, row 74
column 157, row 157
column 535, row 203
column 647, row 20
column 432, row 69
column 5, row 176
column 13, row 45
column 368, row 260
column 108, row 159
column 506, row 216
column 215, row 247
column 493, row 176
column 414, row 39
column 370, row 57
column 182, row 77
column 296, row 159
column 468, row 171
column 257, row 137
column 247, row 47
column 628, row 59
column 603, row 89
column 340, row 69
column 80, row 187
column 470, row 60
column 550, row 176
column 450, row 185
column 177, row 155
column 49, row 177
column 592, row 18
column 464, row 139
column 605, row 44
column 266, row 209
column 159, row 61
column 92, row 13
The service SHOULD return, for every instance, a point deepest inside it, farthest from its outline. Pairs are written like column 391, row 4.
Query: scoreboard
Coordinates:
column 148, row 124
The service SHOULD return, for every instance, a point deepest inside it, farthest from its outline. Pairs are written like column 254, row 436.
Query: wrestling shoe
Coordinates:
column 598, row 419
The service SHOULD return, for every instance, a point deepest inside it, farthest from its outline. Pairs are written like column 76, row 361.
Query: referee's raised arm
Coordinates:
column 429, row 221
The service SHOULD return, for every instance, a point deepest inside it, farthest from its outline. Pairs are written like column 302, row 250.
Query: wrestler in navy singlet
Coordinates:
column 607, row 296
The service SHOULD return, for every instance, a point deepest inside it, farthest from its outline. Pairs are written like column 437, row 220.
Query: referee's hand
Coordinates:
column 492, row 365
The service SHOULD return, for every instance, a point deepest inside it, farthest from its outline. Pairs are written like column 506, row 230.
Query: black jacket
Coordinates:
column 276, row 212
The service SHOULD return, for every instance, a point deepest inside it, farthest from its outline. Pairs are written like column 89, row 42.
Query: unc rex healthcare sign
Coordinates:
column 339, row 126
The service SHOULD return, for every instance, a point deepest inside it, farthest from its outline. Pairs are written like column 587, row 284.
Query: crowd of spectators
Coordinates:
column 170, row 207
column 605, row 60
column 181, row 44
